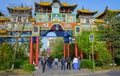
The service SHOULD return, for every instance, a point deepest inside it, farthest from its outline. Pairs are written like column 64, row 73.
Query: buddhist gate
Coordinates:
column 54, row 16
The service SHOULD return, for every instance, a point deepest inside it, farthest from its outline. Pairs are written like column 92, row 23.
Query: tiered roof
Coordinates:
column 86, row 11
column 99, row 21
column 43, row 3
column 105, row 11
column 20, row 9
column 3, row 18
column 32, row 19
column 66, row 5
column 3, row 32
column 63, row 4
column 1, row 14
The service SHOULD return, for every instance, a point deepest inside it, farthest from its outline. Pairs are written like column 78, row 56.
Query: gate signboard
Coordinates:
column 35, row 31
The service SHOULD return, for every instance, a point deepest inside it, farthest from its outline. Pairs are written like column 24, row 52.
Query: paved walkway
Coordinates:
column 83, row 72
column 58, row 72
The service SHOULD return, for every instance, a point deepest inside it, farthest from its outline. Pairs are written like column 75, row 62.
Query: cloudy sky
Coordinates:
column 93, row 5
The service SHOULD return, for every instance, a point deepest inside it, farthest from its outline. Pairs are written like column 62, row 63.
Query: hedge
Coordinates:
column 86, row 63
column 29, row 67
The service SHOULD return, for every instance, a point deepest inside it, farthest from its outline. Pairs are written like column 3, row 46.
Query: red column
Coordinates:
column 64, row 50
column 31, row 50
column 76, row 50
column 68, row 50
column 96, row 55
column 81, row 54
column 92, row 56
column 37, row 50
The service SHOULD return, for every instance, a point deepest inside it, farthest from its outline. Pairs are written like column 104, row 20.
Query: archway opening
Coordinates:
column 56, row 27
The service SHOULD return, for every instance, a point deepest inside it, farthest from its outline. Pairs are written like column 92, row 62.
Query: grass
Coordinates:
column 15, row 72
column 22, row 71
column 102, row 68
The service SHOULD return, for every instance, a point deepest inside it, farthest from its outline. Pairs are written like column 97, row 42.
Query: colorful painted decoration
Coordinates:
column 56, row 17
column 77, row 30
column 28, row 26
column 71, row 18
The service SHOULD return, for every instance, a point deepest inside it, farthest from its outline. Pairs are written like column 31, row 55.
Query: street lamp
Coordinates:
column 92, row 40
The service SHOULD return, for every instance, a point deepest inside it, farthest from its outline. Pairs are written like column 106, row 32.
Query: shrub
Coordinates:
column 99, row 63
column 87, row 64
column 117, row 60
column 17, row 63
column 104, row 58
column 29, row 67
column 25, row 62
column 6, row 56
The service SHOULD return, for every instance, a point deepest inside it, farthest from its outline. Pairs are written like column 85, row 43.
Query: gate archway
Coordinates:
column 60, row 31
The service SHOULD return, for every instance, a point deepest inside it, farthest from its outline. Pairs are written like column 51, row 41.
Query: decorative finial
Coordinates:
column 40, row 0
column 22, row 5
column 82, row 7
column 106, row 7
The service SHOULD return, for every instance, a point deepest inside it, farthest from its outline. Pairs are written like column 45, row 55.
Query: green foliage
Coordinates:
column 17, row 63
column 84, row 43
column 72, row 52
column 29, row 67
column 104, row 57
column 44, row 53
column 117, row 60
column 21, row 53
column 87, row 64
column 40, row 43
column 20, row 62
column 110, row 30
column 6, row 56
column 25, row 61
column 58, row 49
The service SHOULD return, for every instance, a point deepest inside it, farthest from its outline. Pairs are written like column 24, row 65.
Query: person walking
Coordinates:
column 63, row 63
column 43, row 63
column 75, row 63
column 68, row 63
column 79, row 63
column 56, row 63
column 49, row 62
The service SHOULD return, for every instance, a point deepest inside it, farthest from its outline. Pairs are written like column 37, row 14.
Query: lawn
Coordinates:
column 15, row 72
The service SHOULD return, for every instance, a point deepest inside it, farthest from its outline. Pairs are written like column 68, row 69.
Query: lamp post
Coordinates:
column 92, row 40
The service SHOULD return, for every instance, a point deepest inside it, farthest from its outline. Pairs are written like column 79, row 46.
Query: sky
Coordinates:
column 92, row 5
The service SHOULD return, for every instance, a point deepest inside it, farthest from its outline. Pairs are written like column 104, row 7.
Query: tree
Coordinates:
column 72, row 52
column 6, row 56
column 84, row 43
column 58, row 49
column 110, row 31
column 104, row 56
column 44, row 52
